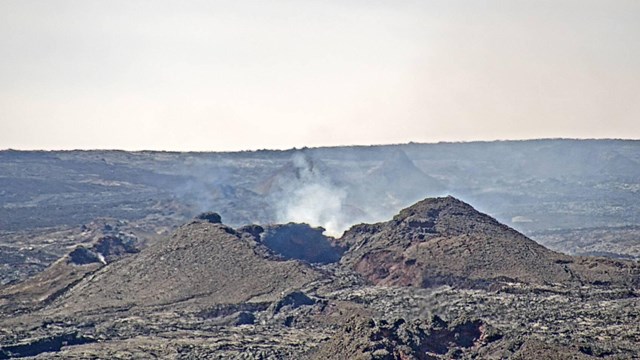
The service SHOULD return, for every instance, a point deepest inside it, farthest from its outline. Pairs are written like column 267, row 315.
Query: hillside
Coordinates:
column 446, row 241
column 201, row 265
column 438, row 281
column 574, row 196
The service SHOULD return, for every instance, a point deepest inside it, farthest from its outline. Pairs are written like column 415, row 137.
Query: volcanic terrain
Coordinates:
column 438, row 281
column 446, row 241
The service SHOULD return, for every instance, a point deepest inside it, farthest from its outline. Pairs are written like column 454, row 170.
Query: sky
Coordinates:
column 242, row 75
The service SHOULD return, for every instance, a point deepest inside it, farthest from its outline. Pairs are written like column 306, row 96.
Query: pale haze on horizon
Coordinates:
column 236, row 75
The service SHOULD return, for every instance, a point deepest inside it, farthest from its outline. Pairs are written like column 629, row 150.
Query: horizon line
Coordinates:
column 295, row 148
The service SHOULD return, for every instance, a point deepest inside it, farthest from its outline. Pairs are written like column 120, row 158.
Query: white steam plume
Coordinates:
column 312, row 198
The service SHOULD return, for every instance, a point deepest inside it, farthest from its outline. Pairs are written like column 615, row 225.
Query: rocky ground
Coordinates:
column 101, row 256
column 616, row 242
column 577, row 197
column 25, row 253
column 211, row 291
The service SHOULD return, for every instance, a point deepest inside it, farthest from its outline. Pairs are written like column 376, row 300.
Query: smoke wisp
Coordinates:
column 311, row 197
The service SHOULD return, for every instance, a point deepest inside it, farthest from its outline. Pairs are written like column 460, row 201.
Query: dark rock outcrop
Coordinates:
column 399, row 339
column 83, row 256
column 301, row 242
column 211, row 217
column 293, row 300
column 106, row 249
column 113, row 247
column 254, row 230
column 33, row 347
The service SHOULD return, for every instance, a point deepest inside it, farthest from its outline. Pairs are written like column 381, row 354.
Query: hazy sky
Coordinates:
column 232, row 75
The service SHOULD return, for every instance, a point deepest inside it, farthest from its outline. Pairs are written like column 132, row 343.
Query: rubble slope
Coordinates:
column 446, row 241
